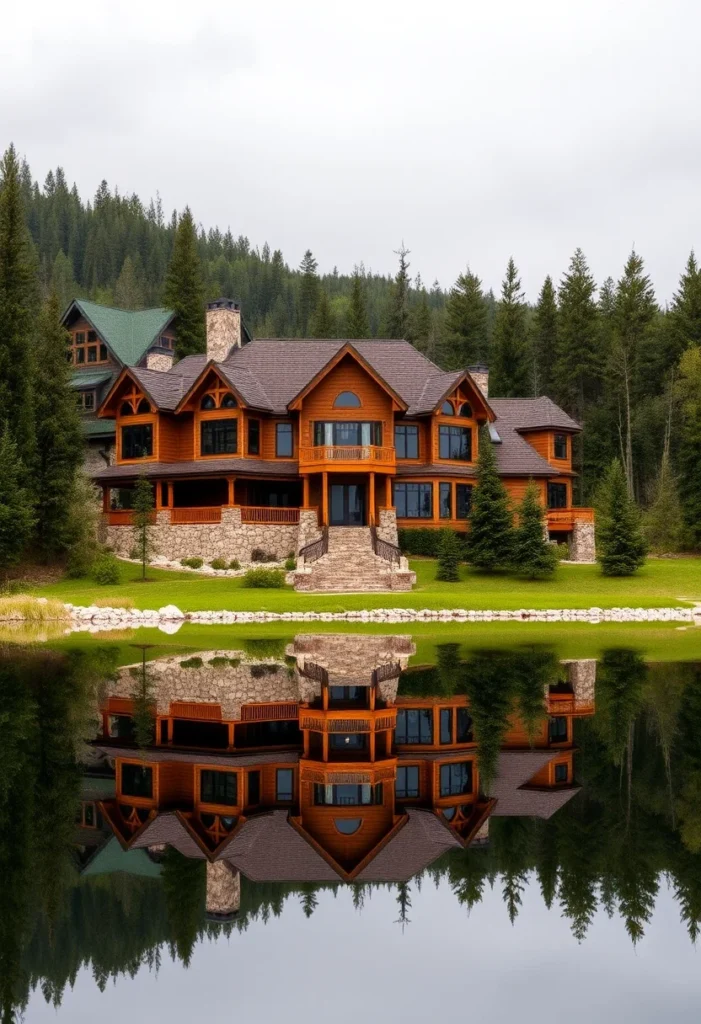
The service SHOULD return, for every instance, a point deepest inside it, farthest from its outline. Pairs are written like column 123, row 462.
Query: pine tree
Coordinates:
column 688, row 390
column 620, row 544
column 323, row 322
column 420, row 322
column 466, row 315
column 308, row 293
column 18, row 297
column 448, row 570
column 16, row 511
column 357, row 325
column 184, row 290
column 663, row 523
column 544, row 339
column 63, row 282
column 490, row 540
column 509, row 376
column 142, row 509
column 534, row 557
column 685, row 311
column 129, row 291
column 58, row 434
column 577, row 366
column 397, row 316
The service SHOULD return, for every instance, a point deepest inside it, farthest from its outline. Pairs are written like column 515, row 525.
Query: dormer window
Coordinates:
column 126, row 409
column 228, row 402
column 208, row 402
column 143, row 406
column 466, row 410
column 347, row 400
column 447, row 409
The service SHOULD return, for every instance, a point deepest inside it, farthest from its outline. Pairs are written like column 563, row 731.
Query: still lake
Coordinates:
column 339, row 825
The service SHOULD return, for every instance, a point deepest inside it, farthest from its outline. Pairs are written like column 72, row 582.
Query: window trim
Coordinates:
column 406, row 427
column 223, row 772
column 450, row 430
column 211, row 423
column 144, row 425
column 284, row 799
column 559, row 484
column 249, row 448
column 399, row 485
column 409, row 792
column 355, row 404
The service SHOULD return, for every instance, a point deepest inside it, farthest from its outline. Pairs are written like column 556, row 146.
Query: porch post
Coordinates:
column 388, row 491
column 106, row 499
column 325, row 499
column 435, row 493
column 372, row 500
column 231, row 481
column 305, row 491
column 170, row 494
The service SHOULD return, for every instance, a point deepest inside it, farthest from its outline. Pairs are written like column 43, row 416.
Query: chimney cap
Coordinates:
column 224, row 303
column 478, row 368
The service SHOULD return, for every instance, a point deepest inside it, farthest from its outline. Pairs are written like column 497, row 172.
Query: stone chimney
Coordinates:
column 223, row 891
column 223, row 328
column 480, row 375
column 159, row 359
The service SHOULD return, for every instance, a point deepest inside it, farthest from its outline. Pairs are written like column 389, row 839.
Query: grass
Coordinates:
column 661, row 582
column 23, row 607
column 114, row 602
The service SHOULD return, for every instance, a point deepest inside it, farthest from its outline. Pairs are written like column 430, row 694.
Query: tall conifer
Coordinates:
column 688, row 451
column 491, row 535
column 184, row 289
column 16, row 509
column 357, row 325
column 323, row 322
column 534, row 557
column 466, row 314
column 684, row 315
column 544, row 341
column 397, row 315
column 577, row 366
column 308, row 293
column 621, row 546
column 509, row 369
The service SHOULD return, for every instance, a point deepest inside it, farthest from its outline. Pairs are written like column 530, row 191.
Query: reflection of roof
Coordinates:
column 268, row 849
column 168, row 830
column 129, row 333
column 515, row 798
column 411, row 850
column 237, row 760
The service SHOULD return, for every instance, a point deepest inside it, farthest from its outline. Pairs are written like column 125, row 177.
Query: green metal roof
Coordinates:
column 93, row 427
column 129, row 333
column 89, row 380
column 113, row 858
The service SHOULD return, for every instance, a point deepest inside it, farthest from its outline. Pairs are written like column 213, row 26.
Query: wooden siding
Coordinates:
column 348, row 375
column 544, row 443
column 347, row 850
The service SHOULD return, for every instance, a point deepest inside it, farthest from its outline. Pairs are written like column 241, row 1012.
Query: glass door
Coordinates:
column 347, row 505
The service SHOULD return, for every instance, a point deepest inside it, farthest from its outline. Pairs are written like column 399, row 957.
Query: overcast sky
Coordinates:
column 470, row 130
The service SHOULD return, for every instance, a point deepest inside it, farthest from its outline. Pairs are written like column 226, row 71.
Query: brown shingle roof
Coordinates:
column 532, row 413
column 168, row 829
column 268, row 848
column 514, row 798
column 411, row 850
column 204, row 467
column 515, row 456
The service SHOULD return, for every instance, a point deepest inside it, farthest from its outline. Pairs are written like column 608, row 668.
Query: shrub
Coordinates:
column 291, row 564
column 563, row 551
column 234, row 564
column 260, row 670
column 106, row 570
column 218, row 662
column 234, row 662
column 192, row 563
column 423, row 541
column 192, row 663
column 264, row 578
column 218, row 563
column 259, row 555
column 448, row 558
column 31, row 609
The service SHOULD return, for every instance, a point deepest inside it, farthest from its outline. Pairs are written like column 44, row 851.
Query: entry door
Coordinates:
column 347, row 504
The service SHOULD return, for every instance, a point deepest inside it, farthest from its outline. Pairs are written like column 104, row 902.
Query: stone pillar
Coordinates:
column 480, row 375
column 581, row 675
column 308, row 527
column 223, row 890
column 160, row 359
column 583, row 542
column 223, row 328
column 387, row 526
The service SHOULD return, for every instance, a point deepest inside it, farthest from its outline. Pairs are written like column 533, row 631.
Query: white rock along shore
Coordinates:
column 169, row 619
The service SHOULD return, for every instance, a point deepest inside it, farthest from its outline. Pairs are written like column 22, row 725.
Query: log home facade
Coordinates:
column 286, row 443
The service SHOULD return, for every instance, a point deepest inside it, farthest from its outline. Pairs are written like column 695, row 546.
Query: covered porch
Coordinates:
column 347, row 499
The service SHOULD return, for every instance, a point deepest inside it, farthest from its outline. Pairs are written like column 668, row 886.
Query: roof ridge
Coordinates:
column 120, row 309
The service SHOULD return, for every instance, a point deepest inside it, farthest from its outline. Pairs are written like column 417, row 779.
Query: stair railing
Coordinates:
column 317, row 548
column 383, row 549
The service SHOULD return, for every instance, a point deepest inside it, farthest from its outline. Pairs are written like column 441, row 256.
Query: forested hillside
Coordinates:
column 626, row 368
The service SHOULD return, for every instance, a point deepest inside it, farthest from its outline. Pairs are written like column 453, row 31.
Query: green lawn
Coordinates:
column 662, row 582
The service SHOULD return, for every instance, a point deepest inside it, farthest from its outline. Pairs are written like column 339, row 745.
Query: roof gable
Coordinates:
column 127, row 333
column 347, row 350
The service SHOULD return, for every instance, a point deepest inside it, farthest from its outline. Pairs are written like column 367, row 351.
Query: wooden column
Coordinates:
column 170, row 494
column 324, row 746
column 230, row 735
column 305, row 491
column 372, row 499
column 436, row 511
column 372, row 743
column 325, row 499
column 106, row 499
column 231, row 480
column 388, row 492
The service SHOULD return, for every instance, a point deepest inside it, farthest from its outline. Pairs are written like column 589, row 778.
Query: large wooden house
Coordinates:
column 286, row 443
column 328, row 772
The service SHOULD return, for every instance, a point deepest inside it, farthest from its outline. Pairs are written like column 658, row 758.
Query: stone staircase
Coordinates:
column 351, row 566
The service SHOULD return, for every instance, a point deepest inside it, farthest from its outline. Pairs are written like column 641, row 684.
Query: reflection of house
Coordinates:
column 283, row 443
column 319, row 770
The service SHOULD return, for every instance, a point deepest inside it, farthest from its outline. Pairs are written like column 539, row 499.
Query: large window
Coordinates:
column 413, row 501
column 557, row 730
column 414, row 725
column 254, row 437
column 557, row 495
column 283, row 440
column 455, row 443
column 137, row 441
column 446, row 725
column 406, row 440
column 219, row 788
column 463, row 500
column 284, row 785
column 253, row 788
column 218, row 437
column 446, row 500
column 561, row 773
column 407, row 786
column 456, row 778
column 92, row 351
column 137, row 781
column 560, row 446
column 347, row 795
column 347, row 434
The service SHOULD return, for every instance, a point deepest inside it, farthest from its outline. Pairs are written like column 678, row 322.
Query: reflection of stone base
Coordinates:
column 582, row 677
column 583, row 542
column 223, row 890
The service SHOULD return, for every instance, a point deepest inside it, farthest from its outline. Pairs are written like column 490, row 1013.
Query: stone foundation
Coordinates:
column 582, row 677
column 387, row 526
column 309, row 529
column 229, row 539
column 583, row 542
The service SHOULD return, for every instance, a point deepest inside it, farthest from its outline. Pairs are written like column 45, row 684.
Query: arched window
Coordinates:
column 447, row 409
column 347, row 826
column 208, row 402
column 448, row 813
column 347, row 400
column 228, row 401
column 126, row 409
column 143, row 406
column 466, row 410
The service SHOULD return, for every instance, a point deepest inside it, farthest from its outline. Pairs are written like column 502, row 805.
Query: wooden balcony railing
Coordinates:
column 347, row 721
column 349, row 453
column 274, row 712
column 565, row 518
column 120, row 517
column 195, row 515
column 264, row 514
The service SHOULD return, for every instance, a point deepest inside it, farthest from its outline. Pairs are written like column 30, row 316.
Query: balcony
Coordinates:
column 564, row 518
column 349, row 721
column 364, row 456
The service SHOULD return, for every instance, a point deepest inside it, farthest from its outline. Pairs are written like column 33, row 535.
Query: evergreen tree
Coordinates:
column 490, row 539
column 397, row 316
column 577, row 368
column 509, row 376
column 63, row 282
column 184, row 290
column 128, row 291
column 142, row 509
column 58, row 434
column 357, row 323
column 18, row 297
column 323, row 322
column 620, row 543
column 688, row 390
column 663, row 523
column 466, row 314
column 685, row 312
column 420, row 322
column 544, row 339
column 308, row 293
column 16, row 511
column 534, row 557
column 448, row 570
